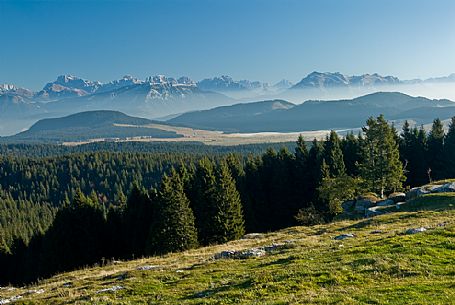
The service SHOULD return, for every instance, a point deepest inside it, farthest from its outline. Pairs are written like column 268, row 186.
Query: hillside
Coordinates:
column 318, row 115
column 231, row 118
column 380, row 264
column 90, row 125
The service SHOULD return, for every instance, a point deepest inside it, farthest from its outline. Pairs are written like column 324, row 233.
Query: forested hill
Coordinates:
column 317, row 115
column 89, row 125
column 89, row 119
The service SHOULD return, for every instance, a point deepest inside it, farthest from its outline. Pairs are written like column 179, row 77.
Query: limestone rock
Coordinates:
column 416, row 192
column 415, row 230
column 344, row 236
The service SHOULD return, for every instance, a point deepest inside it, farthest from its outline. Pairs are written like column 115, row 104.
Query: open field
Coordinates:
column 381, row 264
column 210, row 137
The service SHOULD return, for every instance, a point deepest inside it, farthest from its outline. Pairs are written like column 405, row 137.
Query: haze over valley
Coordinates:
column 166, row 99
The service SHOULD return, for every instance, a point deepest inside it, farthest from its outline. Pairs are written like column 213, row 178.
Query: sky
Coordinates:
column 247, row 39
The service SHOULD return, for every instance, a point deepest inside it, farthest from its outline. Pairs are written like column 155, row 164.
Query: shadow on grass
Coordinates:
column 281, row 261
column 209, row 292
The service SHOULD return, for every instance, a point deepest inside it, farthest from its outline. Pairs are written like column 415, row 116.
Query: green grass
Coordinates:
column 389, row 267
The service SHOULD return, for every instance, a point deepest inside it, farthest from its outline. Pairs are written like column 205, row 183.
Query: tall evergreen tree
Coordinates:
column 174, row 228
column 138, row 216
column 381, row 169
column 436, row 150
column 352, row 153
column 315, row 160
column 333, row 155
column 228, row 221
column 449, row 151
column 201, row 195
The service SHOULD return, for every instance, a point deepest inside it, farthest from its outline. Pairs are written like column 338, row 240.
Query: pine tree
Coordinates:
column 315, row 160
column 301, row 152
column 436, row 150
column 351, row 153
column 138, row 216
column 449, row 150
column 333, row 155
column 228, row 220
column 174, row 228
column 201, row 197
column 381, row 169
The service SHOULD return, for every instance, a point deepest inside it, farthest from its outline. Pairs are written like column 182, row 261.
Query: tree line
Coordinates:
column 213, row 199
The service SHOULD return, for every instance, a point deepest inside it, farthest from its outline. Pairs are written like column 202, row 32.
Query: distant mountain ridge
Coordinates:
column 226, row 83
column 317, row 115
column 328, row 80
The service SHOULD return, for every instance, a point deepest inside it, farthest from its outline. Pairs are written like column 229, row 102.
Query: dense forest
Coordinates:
column 65, row 211
column 51, row 150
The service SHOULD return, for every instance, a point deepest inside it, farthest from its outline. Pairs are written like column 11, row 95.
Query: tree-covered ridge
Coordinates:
column 52, row 150
column 180, row 201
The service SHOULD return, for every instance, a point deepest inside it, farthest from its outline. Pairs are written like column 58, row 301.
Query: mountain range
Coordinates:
column 161, row 96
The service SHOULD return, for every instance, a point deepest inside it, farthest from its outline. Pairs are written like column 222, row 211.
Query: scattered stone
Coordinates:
column 253, row 236
column 344, row 236
column 148, row 267
column 111, row 289
column 416, row 192
column 249, row 253
column 363, row 204
column 415, row 230
column 68, row 284
column 179, row 271
column 34, row 291
column 225, row 254
column 397, row 197
column 10, row 300
column 399, row 204
column 446, row 188
column 254, row 252
column 375, row 211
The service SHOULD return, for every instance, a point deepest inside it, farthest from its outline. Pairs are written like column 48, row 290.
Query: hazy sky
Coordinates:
column 248, row 39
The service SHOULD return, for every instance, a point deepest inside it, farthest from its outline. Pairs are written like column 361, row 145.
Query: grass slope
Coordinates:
column 381, row 265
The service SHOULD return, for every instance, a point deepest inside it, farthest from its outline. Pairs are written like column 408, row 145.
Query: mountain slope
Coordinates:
column 380, row 264
column 315, row 115
column 89, row 125
column 228, row 117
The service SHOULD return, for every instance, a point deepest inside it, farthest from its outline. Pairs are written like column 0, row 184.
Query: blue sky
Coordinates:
column 248, row 39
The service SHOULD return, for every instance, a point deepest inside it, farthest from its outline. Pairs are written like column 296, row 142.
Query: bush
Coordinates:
column 309, row 217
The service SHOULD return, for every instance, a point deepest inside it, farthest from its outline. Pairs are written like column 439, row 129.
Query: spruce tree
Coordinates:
column 300, row 174
column 449, row 151
column 174, row 228
column 351, row 153
column 381, row 168
column 138, row 216
column 228, row 220
column 436, row 150
column 201, row 197
column 333, row 155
